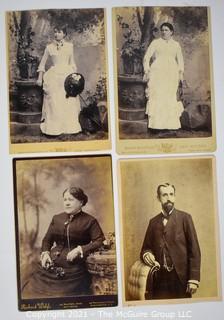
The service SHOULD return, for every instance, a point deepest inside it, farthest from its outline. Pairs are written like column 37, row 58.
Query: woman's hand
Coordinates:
column 75, row 253
column 45, row 260
column 74, row 68
column 181, row 76
column 146, row 76
column 39, row 82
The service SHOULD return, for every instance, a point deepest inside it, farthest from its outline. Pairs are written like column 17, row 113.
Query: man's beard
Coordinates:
column 168, row 206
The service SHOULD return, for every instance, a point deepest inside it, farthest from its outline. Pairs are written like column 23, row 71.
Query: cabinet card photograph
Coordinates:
column 57, row 66
column 65, row 233
column 163, row 80
column 169, row 231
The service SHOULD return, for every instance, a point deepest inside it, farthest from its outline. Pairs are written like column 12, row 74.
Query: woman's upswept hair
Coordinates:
column 168, row 25
column 61, row 27
column 77, row 193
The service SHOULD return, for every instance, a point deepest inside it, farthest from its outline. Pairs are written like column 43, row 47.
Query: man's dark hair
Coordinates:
column 166, row 184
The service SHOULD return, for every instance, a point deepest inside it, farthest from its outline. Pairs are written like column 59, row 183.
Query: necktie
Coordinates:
column 165, row 220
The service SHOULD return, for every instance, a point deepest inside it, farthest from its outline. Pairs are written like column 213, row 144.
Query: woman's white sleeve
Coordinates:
column 41, row 67
column 148, row 55
column 180, row 59
column 72, row 60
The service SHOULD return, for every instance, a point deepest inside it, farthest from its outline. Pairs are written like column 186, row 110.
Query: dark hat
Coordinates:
column 74, row 84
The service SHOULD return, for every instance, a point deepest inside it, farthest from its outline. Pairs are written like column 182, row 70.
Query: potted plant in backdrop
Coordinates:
column 27, row 62
column 132, row 55
column 29, row 95
column 131, row 87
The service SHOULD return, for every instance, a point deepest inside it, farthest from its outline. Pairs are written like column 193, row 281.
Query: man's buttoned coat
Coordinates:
column 181, row 240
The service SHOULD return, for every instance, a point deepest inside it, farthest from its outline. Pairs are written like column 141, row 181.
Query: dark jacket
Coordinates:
column 181, row 240
column 64, row 235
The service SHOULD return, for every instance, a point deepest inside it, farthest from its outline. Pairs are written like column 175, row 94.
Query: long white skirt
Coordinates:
column 59, row 114
column 162, row 107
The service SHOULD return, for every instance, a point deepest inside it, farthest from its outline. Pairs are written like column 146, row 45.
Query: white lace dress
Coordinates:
column 59, row 114
column 162, row 107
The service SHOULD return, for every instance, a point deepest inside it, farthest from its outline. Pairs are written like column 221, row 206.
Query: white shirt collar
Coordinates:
column 165, row 214
column 59, row 43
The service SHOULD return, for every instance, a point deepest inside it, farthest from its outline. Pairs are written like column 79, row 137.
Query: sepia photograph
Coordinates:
column 170, row 245
column 65, row 233
column 163, row 80
column 57, row 71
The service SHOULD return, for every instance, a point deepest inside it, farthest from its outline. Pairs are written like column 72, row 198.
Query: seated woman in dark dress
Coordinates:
column 70, row 238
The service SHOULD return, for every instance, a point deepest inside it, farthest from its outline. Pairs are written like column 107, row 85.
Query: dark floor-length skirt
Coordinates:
column 43, row 283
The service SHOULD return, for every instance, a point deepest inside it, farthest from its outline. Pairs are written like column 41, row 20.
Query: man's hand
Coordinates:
column 191, row 288
column 149, row 259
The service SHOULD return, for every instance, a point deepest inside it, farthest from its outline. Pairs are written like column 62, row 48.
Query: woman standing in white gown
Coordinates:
column 163, row 69
column 59, row 114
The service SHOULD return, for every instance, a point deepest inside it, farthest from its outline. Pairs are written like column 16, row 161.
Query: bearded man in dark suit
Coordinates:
column 171, row 243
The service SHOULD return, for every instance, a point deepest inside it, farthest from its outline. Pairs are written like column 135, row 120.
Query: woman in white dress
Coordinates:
column 163, row 70
column 59, row 114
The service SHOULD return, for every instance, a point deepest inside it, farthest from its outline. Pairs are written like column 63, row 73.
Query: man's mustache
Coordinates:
column 168, row 201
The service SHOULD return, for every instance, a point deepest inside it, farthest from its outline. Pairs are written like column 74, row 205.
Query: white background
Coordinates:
column 8, row 289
